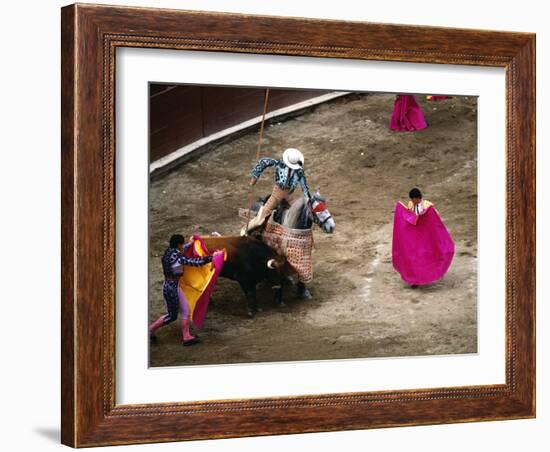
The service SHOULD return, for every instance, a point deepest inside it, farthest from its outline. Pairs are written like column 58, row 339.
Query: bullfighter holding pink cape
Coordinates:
column 406, row 114
column 422, row 248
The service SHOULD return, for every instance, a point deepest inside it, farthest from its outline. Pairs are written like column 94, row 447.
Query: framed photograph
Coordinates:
column 281, row 225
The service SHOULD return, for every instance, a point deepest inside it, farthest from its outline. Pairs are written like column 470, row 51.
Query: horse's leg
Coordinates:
column 303, row 292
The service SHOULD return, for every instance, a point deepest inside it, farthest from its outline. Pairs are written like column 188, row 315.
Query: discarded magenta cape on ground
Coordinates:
column 422, row 248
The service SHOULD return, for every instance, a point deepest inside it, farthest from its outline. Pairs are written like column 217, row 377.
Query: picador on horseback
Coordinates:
column 289, row 172
column 288, row 230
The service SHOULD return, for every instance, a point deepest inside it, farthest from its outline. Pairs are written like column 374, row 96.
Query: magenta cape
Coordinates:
column 406, row 114
column 422, row 248
column 199, row 281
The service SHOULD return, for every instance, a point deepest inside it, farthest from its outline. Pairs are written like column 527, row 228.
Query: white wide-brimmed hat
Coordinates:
column 293, row 158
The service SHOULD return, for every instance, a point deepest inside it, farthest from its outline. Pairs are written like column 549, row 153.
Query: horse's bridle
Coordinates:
column 320, row 207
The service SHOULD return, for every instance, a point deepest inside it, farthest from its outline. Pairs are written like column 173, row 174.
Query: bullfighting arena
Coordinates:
column 360, row 306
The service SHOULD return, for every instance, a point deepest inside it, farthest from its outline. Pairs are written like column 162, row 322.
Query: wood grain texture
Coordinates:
column 68, row 243
column 90, row 36
column 182, row 114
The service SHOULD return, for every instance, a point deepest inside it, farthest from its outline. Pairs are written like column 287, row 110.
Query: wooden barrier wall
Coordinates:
column 182, row 114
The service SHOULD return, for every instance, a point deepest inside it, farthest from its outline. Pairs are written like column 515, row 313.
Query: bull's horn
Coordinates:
column 271, row 264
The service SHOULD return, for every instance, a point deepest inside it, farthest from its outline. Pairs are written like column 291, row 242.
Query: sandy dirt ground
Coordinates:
column 360, row 306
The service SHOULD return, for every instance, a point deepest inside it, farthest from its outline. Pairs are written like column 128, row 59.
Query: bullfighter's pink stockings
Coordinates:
column 185, row 330
column 161, row 321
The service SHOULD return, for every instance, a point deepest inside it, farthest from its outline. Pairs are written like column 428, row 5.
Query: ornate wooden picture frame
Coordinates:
column 90, row 37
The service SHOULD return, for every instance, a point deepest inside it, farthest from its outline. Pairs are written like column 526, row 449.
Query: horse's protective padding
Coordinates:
column 295, row 244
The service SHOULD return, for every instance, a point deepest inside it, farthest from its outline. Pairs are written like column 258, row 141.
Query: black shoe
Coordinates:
column 193, row 341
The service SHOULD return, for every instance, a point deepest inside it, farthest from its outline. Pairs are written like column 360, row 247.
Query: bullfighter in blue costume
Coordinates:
column 173, row 261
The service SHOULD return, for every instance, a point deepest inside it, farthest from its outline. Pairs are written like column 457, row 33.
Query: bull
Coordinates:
column 249, row 261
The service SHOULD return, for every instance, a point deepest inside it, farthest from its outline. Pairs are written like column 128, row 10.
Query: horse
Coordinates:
column 303, row 213
column 300, row 215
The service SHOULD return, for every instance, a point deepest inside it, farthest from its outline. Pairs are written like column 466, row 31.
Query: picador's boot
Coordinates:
column 256, row 222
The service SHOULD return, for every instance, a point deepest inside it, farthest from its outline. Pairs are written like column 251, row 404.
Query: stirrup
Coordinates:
column 254, row 223
column 251, row 227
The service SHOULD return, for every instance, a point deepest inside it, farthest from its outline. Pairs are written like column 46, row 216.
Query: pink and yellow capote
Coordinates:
column 197, row 283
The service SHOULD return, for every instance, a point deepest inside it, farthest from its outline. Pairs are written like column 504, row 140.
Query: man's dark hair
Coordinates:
column 176, row 239
column 415, row 193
